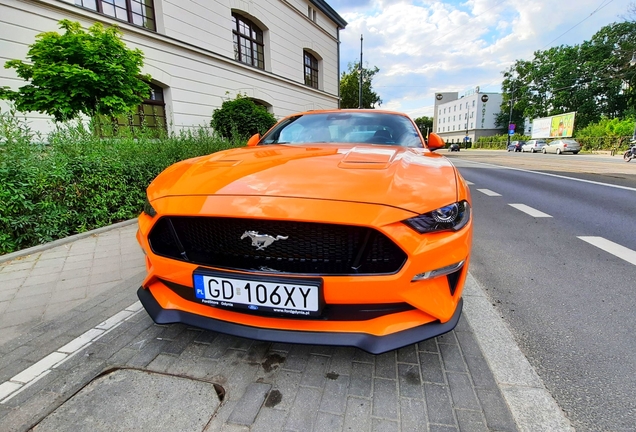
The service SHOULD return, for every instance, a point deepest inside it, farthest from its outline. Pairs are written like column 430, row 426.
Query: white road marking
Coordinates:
column 614, row 248
column 529, row 210
column 553, row 175
column 488, row 192
column 469, row 183
column 40, row 369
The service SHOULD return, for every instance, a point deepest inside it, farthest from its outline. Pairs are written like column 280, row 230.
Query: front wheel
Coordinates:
column 627, row 156
column 544, row 152
column 558, row 151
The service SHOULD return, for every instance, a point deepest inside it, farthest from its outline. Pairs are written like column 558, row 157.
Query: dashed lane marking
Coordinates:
column 614, row 248
column 40, row 369
column 531, row 211
column 488, row 192
column 469, row 183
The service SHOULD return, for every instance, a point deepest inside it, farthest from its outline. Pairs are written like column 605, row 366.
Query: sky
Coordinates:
column 427, row 46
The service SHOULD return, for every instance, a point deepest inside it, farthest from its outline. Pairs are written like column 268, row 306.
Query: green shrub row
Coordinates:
column 74, row 182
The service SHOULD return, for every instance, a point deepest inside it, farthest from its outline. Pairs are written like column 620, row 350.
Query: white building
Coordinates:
column 283, row 54
column 471, row 115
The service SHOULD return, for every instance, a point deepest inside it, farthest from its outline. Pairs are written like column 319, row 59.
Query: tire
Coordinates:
column 558, row 151
column 544, row 152
column 627, row 156
column 576, row 152
column 531, row 150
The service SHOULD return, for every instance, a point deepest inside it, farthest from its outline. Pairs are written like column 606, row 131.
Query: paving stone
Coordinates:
column 469, row 344
column 161, row 363
column 413, row 416
column 383, row 425
column 363, row 356
column 409, row 381
column 177, row 345
column 447, row 339
column 287, row 383
column 11, row 285
column 431, row 368
column 341, row 361
column 407, row 354
column 462, row 325
column 385, row 365
column 250, row 404
column 357, row 415
column 480, row 372
column 121, row 357
column 429, row 345
column 149, row 352
column 361, row 383
column 328, row 422
column 297, row 358
column 442, row 428
column 30, row 413
column 462, row 391
column 470, row 421
column 385, row 399
column 197, row 368
column 314, row 375
column 269, row 420
column 334, row 396
column 496, row 411
column 452, row 358
column 238, row 381
column 303, row 412
column 439, row 404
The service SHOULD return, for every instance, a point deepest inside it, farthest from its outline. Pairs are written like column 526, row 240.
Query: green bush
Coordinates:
column 498, row 141
column 76, row 182
column 240, row 118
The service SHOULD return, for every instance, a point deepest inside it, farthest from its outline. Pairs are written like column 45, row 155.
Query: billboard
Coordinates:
column 558, row 126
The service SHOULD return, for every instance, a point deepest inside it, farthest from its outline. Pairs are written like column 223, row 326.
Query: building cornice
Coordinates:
column 331, row 14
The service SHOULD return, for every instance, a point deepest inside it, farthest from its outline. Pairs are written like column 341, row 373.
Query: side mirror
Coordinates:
column 435, row 142
column 254, row 139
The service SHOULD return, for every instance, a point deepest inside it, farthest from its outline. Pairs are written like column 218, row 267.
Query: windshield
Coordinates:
column 345, row 127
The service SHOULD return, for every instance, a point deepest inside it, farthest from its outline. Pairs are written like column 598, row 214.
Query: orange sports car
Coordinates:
column 338, row 227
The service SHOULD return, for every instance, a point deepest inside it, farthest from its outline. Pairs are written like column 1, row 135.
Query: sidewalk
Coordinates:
column 77, row 350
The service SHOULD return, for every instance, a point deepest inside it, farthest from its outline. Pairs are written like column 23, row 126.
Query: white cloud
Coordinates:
column 423, row 47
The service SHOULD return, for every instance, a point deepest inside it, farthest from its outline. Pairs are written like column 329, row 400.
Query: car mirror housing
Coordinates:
column 435, row 142
column 254, row 139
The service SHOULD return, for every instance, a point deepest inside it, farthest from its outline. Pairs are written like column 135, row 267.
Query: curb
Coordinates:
column 63, row 241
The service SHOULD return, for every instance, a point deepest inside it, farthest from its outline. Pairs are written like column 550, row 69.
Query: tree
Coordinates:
column 79, row 72
column 350, row 87
column 424, row 124
column 241, row 118
column 594, row 79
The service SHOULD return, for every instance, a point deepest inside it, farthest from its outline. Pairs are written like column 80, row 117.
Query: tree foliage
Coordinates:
column 240, row 118
column 424, row 123
column 350, row 87
column 594, row 79
column 79, row 72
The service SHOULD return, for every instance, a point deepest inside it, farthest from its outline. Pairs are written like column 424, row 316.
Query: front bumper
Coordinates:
column 367, row 342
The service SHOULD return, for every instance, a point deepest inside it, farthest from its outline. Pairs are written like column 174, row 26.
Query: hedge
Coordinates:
column 74, row 181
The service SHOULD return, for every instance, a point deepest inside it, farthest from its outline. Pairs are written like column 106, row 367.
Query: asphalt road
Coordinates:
column 570, row 304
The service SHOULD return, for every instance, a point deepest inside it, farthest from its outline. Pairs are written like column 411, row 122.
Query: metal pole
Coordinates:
column 512, row 93
column 360, row 73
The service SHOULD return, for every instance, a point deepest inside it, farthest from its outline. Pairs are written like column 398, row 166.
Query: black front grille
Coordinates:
column 310, row 248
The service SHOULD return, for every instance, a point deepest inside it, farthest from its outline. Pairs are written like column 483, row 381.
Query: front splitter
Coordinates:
column 370, row 343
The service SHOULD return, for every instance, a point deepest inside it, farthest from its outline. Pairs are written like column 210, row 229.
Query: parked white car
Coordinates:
column 534, row 145
column 562, row 146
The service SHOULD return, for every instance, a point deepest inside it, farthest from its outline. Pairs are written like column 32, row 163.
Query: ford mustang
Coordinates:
column 338, row 227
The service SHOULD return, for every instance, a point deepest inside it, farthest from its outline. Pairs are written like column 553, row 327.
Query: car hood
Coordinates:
column 412, row 179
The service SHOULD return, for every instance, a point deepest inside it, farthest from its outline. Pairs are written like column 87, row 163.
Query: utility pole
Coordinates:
column 512, row 93
column 360, row 74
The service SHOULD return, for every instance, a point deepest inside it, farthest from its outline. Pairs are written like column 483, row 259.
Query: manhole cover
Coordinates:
column 126, row 400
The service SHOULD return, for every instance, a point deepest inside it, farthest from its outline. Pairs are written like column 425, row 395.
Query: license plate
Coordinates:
column 290, row 296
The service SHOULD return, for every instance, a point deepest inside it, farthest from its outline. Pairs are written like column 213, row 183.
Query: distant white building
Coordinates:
column 471, row 115
column 283, row 54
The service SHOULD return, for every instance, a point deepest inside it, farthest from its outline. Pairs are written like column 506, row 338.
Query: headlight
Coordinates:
column 149, row 209
column 452, row 217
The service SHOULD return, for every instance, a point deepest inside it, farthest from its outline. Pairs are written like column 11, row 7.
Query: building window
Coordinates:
column 150, row 115
column 453, row 127
column 311, row 13
column 473, row 103
column 138, row 12
column 248, row 42
column 311, row 70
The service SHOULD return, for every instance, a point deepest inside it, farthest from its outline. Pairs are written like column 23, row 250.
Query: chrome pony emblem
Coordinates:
column 261, row 241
